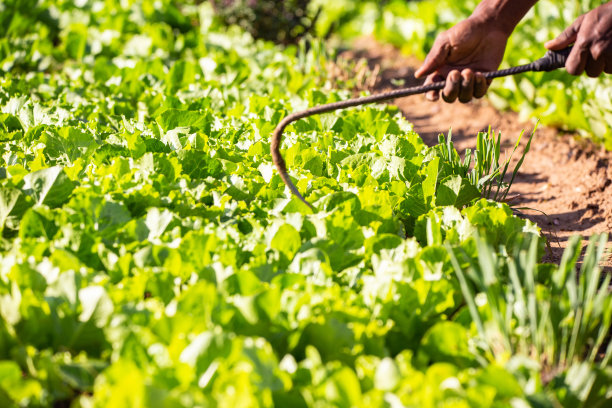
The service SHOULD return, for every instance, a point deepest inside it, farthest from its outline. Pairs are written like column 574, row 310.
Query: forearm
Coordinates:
column 506, row 14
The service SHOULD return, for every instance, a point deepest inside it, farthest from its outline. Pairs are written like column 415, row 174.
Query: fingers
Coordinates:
column 436, row 57
column 608, row 66
column 464, row 86
column 585, row 59
column 452, row 87
column 566, row 38
column 601, row 52
column 481, row 85
column 593, row 67
column 601, row 48
column 589, row 53
column 467, row 86
column 576, row 62
column 581, row 59
column 433, row 95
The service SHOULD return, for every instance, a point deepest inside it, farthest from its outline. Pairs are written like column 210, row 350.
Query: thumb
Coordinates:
column 566, row 38
column 436, row 57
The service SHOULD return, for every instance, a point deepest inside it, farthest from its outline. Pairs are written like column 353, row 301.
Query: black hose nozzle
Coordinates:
column 552, row 60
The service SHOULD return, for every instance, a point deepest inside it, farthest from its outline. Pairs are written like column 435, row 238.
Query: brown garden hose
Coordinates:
column 550, row 61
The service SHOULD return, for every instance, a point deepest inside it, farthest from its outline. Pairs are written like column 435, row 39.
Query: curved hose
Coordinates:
column 550, row 61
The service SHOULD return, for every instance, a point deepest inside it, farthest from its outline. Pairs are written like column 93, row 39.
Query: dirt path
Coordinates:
column 567, row 180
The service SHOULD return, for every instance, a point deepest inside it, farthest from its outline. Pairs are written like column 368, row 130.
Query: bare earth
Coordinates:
column 567, row 183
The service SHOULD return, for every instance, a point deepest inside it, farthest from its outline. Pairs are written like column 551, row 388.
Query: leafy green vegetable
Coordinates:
column 150, row 255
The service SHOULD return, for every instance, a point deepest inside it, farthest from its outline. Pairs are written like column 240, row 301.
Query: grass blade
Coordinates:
column 467, row 292
column 521, row 160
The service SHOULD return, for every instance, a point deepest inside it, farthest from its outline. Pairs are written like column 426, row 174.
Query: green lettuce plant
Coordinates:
column 150, row 255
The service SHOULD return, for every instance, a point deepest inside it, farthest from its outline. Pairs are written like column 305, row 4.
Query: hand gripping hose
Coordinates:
column 549, row 62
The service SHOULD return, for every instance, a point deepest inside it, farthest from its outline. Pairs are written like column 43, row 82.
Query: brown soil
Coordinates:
column 566, row 182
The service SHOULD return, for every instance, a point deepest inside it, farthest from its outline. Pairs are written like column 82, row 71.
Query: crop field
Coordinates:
column 151, row 255
column 576, row 103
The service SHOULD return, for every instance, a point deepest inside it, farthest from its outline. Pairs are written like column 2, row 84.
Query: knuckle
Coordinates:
column 440, row 43
column 582, row 43
column 598, row 50
column 467, row 78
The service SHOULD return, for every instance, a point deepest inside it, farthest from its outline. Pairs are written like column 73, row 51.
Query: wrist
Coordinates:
column 501, row 15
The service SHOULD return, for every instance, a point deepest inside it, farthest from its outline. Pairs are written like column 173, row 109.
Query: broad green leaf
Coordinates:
column 448, row 342
column 14, row 389
column 76, row 41
column 387, row 375
column 68, row 144
column 50, row 186
column 457, row 191
column 12, row 202
column 431, row 178
column 343, row 388
column 287, row 240
column 97, row 306
column 176, row 118
column 414, row 204
column 448, row 191
column 157, row 221
column 506, row 385
column 377, row 243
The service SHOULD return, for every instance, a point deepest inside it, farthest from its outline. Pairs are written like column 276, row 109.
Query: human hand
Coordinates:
column 591, row 35
column 459, row 54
